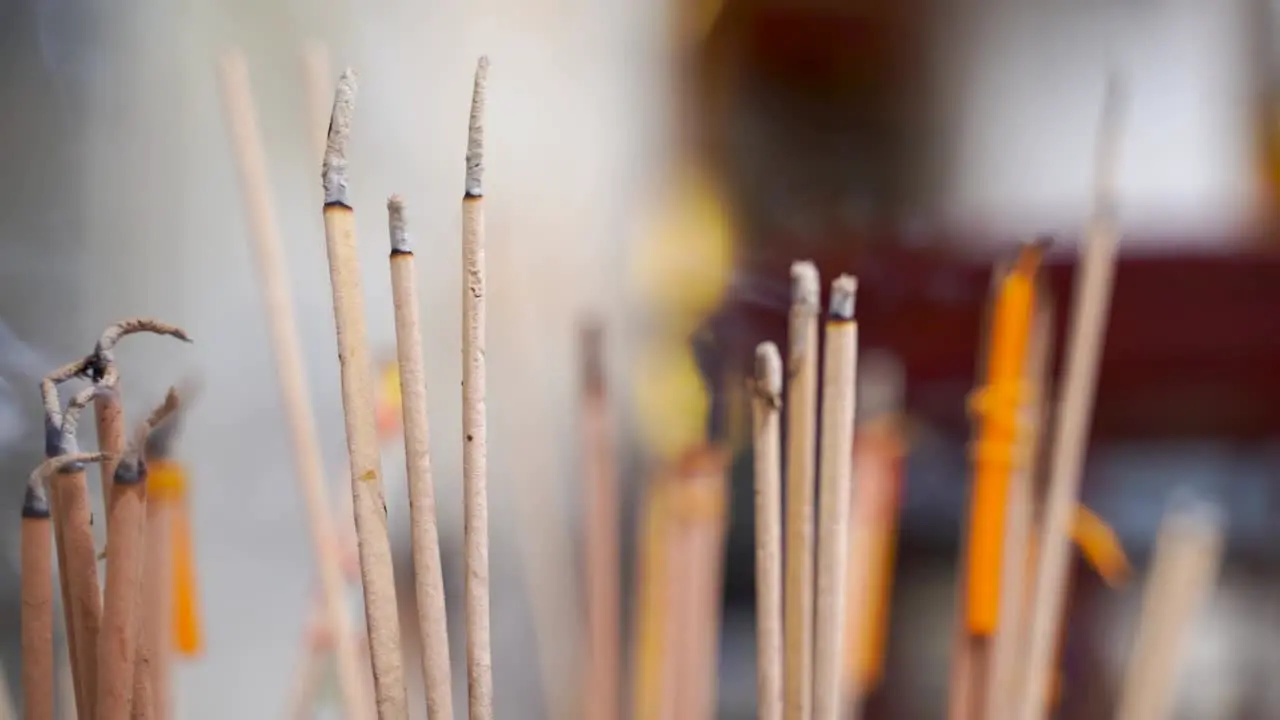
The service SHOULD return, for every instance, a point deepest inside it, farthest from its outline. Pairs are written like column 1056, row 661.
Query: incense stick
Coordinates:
column 292, row 375
column 428, row 576
column 839, row 391
column 377, row 573
column 802, row 406
column 37, row 587
column 118, row 641
column 1188, row 551
column 603, row 521
column 767, row 442
column 1009, row 640
column 475, row 446
column 1090, row 309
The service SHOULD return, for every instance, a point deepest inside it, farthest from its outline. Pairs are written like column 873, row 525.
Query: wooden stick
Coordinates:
column 839, row 389
column 877, row 456
column 802, row 408
column 1008, row 642
column 37, row 587
column 118, row 641
column 767, row 442
column 377, row 573
column 292, row 374
column 1090, row 310
column 1188, row 552
column 651, row 689
column 704, row 525
column 475, row 446
column 602, row 545
column 427, row 572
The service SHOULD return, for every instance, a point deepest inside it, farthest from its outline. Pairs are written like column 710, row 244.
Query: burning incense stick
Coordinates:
column 118, row 641
column 877, row 457
column 802, row 408
column 1188, row 551
column 839, row 391
column 37, row 587
column 1007, row 644
column 381, row 613
column 1090, row 309
column 475, row 448
column 766, row 411
column 427, row 572
column 603, row 521
column 292, row 374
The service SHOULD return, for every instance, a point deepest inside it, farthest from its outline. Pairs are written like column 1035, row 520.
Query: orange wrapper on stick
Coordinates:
column 167, row 483
column 996, row 407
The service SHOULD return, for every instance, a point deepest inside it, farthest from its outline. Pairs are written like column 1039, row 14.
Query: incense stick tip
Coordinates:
column 844, row 297
column 35, row 504
column 805, row 290
column 400, row 244
column 769, row 369
column 475, row 131
column 333, row 172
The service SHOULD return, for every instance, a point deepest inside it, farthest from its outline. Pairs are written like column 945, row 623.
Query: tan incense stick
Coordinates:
column 602, row 545
column 474, row 449
column 377, row 573
column 839, row 395
column 118, row 641
column 766, row 411
column 1188, row 552
column 427, row 572
column 802, row 408
column 292, row 374
column 1090, row 310
column 37, row 588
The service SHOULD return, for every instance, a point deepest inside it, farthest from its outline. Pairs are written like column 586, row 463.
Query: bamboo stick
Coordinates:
column 428, row 574
column 475, row 446
column 602, row 546
column 801, row 410
column 839, row 389
column 1188, row 552
column 767, row 441
column 1090, row 309
column 291, row 372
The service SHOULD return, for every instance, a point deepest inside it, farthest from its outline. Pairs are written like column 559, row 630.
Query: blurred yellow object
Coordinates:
column 686, row 263
column 1100, row 547
column 388, row 403
column 167, row 483
column 670, row 399
column 698, row 18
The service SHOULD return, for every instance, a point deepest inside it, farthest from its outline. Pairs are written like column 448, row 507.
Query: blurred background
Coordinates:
column 658, row 165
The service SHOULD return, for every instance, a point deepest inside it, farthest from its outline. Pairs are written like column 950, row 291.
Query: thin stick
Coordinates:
column 377, row 573
column 1008, row 643
column 839, row 389
column 475, row 447
column 428, row 576
column 651, row 690
column 292, row 374
column 766, row 412
column 37, row 587
column 1090, row 310
column 603, row 522
column 79, row 557
column 118, row 641
column 699, row 539
column 802, row 407
column 873, row 531
column 1188, row 553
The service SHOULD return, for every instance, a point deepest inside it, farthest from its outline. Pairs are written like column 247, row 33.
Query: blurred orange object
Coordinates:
column 387, row 406
column 167, row 483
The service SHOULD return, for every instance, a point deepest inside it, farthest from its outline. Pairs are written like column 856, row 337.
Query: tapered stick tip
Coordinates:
column 769, row 368
column 333, row 173
column 398, row 228
column 475, row 131
column 805, row 290
column 844, row 297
